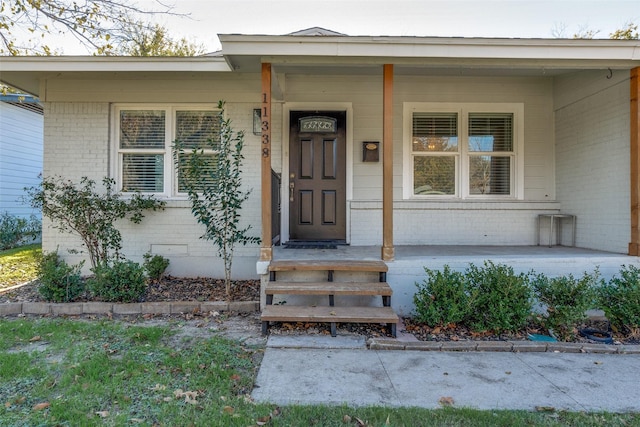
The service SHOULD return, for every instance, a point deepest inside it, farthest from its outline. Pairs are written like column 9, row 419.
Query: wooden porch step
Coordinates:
column 335, row 265
column 329, row 288
column 328, row 314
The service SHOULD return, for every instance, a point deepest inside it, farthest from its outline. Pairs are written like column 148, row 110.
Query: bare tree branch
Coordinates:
column 94, row 23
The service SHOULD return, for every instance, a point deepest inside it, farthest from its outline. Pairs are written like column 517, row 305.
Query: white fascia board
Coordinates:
column 422, row 47
column 112, row 64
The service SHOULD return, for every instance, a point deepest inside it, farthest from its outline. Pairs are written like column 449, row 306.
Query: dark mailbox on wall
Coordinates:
column 371, row 151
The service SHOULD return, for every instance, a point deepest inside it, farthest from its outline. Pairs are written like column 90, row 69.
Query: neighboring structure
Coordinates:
column 21, row 135
column 384, row 141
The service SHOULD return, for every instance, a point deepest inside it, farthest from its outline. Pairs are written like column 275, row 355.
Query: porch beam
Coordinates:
column 266, row 248
column 388, row 250
column 634, row 245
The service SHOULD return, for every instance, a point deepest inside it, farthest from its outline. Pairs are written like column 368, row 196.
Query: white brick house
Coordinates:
column 425, row 141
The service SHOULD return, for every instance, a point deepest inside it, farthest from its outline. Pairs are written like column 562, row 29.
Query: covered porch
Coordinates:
column 569, row 158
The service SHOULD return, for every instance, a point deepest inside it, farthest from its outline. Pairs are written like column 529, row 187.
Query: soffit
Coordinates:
column 427, row 56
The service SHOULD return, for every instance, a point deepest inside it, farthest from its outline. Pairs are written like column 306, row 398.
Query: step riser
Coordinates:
column 322, row 276
column 320, row 300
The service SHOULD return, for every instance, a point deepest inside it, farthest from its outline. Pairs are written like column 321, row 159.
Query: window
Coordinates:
column 462, row 151
column 145, row 136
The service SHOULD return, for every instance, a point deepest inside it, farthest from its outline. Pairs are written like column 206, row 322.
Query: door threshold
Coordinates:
column 314, row 244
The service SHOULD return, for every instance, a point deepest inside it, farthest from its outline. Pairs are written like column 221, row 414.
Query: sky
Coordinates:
column 446, row 18
column 456, row 18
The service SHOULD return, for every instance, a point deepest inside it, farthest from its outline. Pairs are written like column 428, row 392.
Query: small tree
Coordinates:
column 91, row 215
column 213, row 183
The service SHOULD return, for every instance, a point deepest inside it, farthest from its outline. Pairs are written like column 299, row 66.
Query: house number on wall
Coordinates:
column 265, row 125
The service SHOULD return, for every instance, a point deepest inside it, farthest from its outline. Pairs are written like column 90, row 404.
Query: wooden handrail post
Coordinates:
column 388, row 250
column 266, row 248
column 634, row 245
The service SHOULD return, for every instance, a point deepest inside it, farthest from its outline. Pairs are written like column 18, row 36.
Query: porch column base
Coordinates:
column 266, row 254
column 388, row 253
column 634, row 249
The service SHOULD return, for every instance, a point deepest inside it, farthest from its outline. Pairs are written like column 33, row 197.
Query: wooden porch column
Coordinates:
column 634, row 245
column 266, row 248
column 388, row 250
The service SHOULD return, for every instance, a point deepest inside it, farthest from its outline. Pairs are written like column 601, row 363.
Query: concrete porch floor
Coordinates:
column 408, row 267
column 449, row 251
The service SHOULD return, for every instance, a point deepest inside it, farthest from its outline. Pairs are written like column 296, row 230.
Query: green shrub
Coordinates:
column 620, row 300
column 119, row 281
column 15, row 230
column 566, row 299
column 155, row 266
column 442, row 297
column 59, row 281
column 500, row 300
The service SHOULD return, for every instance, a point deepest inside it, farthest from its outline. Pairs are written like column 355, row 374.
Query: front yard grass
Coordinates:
column 19, row 265
column 100, row 372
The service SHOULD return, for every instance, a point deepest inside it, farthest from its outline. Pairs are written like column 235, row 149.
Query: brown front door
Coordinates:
column 317, row 175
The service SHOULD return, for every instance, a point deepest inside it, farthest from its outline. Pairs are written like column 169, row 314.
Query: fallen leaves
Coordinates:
column 40, row 406
column 190, row 397
column 267, row 418
column 446, row 401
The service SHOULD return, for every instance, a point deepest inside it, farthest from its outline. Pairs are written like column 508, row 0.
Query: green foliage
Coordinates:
column 155, row 41
column 59, row 281
column 620, row 300
column 566, row 299
column 119, row 281
column 215, row 191
column 15, row 230
column 97, row 24
column 442, row 297
column 155, row 266
column 91, row 215
column 500, row 300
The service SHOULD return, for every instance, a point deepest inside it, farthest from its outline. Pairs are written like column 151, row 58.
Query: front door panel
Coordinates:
column 317, row 176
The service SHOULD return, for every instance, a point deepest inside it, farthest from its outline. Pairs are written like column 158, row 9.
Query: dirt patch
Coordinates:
column 186, row 329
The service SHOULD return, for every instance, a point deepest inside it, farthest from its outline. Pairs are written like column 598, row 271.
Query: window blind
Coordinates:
column 435, row 132
column 490, row 132
column 143, row 172
column 142, row 129
column 195, row 129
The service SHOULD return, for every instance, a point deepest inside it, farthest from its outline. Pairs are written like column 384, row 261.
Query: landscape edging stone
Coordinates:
column 98, row 307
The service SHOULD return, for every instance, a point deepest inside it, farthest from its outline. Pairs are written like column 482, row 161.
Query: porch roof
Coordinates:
column 332, row 53
column 246, row 52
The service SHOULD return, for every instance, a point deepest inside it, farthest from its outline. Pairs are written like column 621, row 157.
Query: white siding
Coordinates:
column 20, row 156
column 434, row 222
column 592, row 156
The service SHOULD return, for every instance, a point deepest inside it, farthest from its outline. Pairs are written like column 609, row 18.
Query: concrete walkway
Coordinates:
column 341, row 370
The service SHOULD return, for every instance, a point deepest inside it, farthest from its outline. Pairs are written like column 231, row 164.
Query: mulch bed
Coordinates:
column 167, row 289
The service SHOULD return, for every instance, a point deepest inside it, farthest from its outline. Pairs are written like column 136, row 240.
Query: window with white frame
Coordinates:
column 463, row 150
column 145, row 135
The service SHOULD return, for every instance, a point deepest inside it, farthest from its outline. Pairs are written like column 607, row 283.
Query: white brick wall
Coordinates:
column 592, row 157
column 77, row 145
